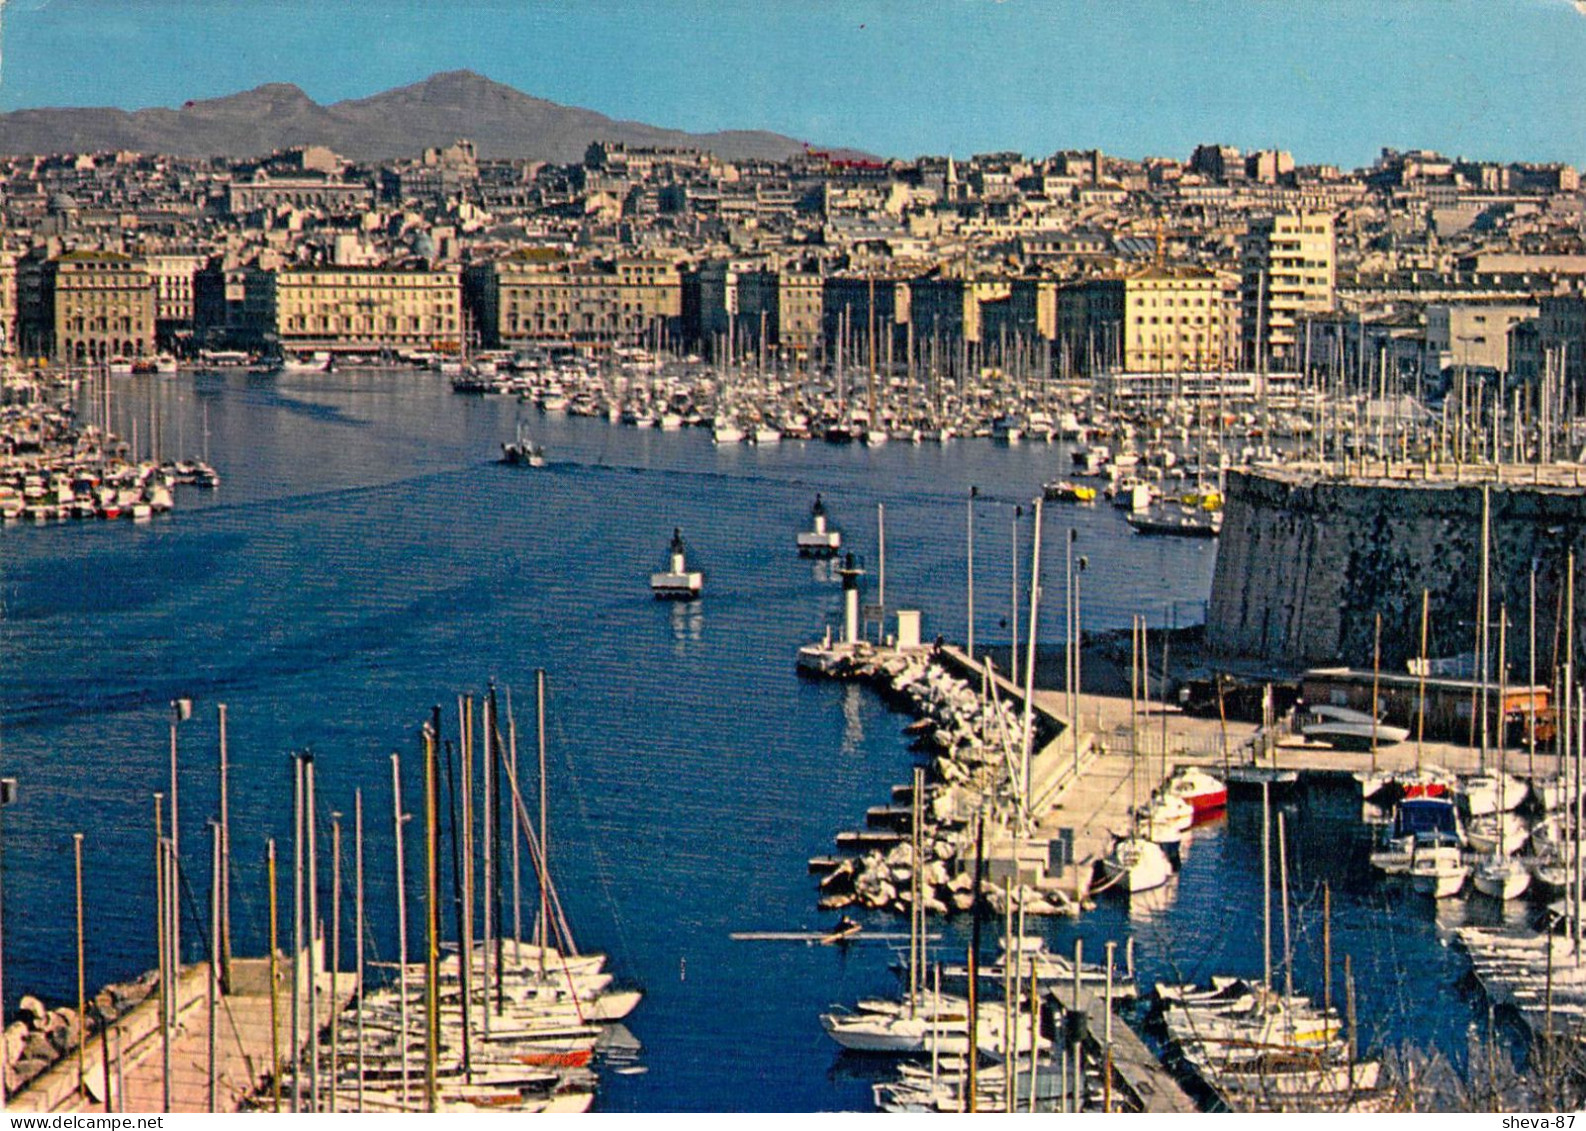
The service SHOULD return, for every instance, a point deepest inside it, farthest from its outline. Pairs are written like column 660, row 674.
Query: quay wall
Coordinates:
column 1306, row 560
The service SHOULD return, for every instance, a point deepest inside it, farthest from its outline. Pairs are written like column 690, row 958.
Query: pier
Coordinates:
column 1148, row 1087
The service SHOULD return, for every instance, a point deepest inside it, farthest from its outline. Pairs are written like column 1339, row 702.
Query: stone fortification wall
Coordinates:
column 1307, row 560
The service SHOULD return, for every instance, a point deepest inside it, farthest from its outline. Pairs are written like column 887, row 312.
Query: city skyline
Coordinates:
column 1333, row 83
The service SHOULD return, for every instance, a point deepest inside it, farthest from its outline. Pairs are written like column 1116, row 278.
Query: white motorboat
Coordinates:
column 316, row 362
column 1439, row 871
column 1495, row 831
column 1347, row 729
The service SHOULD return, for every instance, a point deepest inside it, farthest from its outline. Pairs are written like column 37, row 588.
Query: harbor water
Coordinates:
column 365, row 557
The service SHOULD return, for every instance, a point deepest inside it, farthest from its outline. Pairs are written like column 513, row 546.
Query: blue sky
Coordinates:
column 1330, row 80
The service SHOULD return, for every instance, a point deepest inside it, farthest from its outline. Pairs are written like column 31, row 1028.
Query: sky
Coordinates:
column 1332, row 81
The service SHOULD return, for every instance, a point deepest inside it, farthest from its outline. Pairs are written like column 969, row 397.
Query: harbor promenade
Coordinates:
column 1121, row 761
column 127, row 1064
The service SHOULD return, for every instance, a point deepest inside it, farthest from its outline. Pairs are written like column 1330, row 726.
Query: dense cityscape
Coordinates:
column 1336, row 413
column 1213, row 261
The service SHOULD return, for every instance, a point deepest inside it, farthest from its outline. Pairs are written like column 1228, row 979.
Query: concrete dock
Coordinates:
column 1147, row 1086
column 133, row 1078
column 1091, row 807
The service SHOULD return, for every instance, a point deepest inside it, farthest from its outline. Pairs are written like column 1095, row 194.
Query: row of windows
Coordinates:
column 1187, row 320
column 364, row 282
column 303, row 324
column 104, row 325
column 336, row 307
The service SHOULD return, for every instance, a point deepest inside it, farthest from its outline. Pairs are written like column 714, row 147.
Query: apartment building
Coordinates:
column 1287, row 271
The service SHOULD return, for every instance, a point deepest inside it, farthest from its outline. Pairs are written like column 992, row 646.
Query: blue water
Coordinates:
column 365, row 558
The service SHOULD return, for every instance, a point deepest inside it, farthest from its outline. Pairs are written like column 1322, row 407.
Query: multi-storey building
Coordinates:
column 1472, row 334
column 1164, row 319
column 102, row 304
column 1556, row 342
column 1286, row 272
column 8, row 303
column 362, row 309
column 264, row 192
column 852, row 306
column 543, row 296
column 173, row 276
column 781, row 308
column 950, row 308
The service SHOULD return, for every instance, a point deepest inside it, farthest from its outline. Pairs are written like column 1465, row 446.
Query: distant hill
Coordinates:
column 501, row 121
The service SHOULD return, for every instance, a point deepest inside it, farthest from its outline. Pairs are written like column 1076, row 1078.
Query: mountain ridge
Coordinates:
column 503, row 122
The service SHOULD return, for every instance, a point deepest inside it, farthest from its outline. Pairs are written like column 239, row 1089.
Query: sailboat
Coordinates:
column 1136, row 863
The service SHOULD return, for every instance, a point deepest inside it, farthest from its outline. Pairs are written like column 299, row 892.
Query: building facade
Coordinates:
column 8, row 303
column 173, row 277
column 362, row 309
column 1160, row 320
column 1287, row 271
column 102, row 304
column 544, row 297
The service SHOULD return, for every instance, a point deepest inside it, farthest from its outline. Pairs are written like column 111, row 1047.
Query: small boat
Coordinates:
column 1438, row 871
column 316, row 362
column 1066, row 492
column 1495, row 831
column 1500, row 877
column 1204, row 792
column 677, row 582
column 523, row 452
column 1165, row 819
column 1136, row 865
column 845, row 929
column 1419, row 825
column 818, row 541
column 1346, row 729
column 1177, row 520
column 1491, row 792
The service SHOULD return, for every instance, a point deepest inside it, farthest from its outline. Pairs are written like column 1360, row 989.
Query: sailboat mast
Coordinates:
column 431, row 922
column 1029, row 666
column 1283, row 896
column 517, row 877
column 545, row 844
column 1266, row 885
column 358, row 927
column 1420, row 714
column 1376, row 668
column 402, row 916
column 494, row 779
column 1486, row 520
